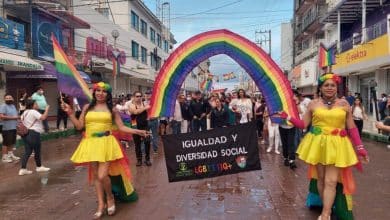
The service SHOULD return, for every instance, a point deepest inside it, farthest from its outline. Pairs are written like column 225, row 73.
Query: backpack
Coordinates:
column 21, row 129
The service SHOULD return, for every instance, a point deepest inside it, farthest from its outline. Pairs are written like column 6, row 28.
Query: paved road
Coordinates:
column 276, row 192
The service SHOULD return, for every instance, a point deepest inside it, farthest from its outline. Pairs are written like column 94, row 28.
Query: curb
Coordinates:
column 48, row 136
column 376, row 137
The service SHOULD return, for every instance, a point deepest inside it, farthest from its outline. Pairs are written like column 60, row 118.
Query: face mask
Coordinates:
column 9, row 102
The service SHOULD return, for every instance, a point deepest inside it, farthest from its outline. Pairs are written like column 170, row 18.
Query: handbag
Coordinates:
column 21, row 129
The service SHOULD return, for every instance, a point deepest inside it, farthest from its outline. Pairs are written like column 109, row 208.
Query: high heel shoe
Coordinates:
column 97, row 215
column 111, row 210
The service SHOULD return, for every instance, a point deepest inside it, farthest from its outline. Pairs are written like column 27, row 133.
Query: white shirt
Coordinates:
column 177, row 116
column 121, row 108
column 31, row 115
column 127, row 106
column 245, row 108
column 76, row 105
column 358, row 113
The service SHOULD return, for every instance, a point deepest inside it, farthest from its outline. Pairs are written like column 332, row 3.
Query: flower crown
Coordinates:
column 105, row 86
column 327, row 76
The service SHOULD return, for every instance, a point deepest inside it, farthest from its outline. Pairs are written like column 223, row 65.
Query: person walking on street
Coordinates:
column 9, row 115
column 61, row 115
column 101, row 150
column 153, row 124
column 185, row 111
column 198, row 111
column 273, row 133
column 382, row 106
column 177, row 118
column 358, row 114
column 41, row 102
column 328, row 149
column 22, row 102
column 32, row 119
column 139, row 114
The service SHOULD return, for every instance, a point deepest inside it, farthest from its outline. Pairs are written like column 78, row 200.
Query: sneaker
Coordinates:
column 13, row 157
column 148, row 163
column 23, row 172
column 6, row 159
column 139, row 163
column 292, row 164
column 42, row 169
column 277, row 151
column 286, row 163
column 269, row 149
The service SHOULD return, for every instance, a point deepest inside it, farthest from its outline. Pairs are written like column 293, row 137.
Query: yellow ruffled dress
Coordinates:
column 327, row 142
column 100, row 145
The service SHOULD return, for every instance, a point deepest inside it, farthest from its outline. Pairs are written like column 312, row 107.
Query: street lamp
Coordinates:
column 115, row 53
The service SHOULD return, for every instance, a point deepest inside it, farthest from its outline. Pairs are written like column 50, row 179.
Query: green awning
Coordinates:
column 12, row 62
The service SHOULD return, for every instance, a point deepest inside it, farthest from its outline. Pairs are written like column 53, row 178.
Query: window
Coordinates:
column 152, row 60
column 159, row 44
column 134, row 49
column 144, row 55
column 158, row 63
column 152, row 35
column 144, row 28
column 103, row 11
column 134, row 21
column 166, row 46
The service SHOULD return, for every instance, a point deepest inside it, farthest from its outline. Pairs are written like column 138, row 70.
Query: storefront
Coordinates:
column 367, row 68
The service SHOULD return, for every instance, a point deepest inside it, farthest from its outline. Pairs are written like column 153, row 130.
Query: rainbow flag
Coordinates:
column 206, row 85
column 326, row 56
column 115, row 67
column 69, row 80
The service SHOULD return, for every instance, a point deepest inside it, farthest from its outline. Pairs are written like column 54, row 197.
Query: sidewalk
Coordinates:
column 370, row 132
column 52, row 134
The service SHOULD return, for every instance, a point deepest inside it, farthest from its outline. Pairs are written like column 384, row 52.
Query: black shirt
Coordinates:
column 219, row 118
column 197, row 108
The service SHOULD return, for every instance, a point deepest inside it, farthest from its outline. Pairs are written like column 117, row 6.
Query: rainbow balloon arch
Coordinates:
column 267, row 75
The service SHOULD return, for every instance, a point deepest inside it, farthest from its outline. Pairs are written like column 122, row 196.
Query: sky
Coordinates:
column 244, row 17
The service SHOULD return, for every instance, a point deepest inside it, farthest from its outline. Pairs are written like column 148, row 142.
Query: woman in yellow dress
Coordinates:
column 100, row 149
column 328, row 149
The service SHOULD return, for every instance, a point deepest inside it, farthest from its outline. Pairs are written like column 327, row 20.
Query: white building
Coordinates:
column 286, row 60
column 144, row 42
column 308, row 34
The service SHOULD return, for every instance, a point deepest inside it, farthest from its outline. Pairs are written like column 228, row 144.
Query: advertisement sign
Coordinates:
column 212, row 153
column 11, row 34
column 42, row 26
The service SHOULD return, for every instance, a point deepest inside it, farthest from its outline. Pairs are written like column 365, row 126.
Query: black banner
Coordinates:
column 212, row 153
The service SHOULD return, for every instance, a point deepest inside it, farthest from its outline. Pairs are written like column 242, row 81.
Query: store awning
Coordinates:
column 49, row 72
column 12, row 62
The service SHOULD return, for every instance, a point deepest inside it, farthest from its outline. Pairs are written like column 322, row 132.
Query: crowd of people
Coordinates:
column 107, row 122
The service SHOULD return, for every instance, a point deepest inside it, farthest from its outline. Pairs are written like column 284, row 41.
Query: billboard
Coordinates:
column 42, row 26
column 11, row 34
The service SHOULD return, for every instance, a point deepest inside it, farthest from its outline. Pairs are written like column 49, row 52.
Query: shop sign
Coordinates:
column 364, row 52
column 11, row 34
column 101, row 49
column 43, row 25
column 21, row 64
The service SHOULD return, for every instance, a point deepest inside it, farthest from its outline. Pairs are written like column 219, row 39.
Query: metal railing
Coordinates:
column 374, row 31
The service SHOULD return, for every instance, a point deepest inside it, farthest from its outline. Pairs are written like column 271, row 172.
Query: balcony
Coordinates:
column 310, row 22
column 301, row 6
column 374, row 31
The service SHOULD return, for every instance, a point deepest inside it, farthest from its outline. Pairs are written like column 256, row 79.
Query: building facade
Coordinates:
column 143, row 42
column 308, row 34
column 26, row 53
column 286, row 59
column 362, row 40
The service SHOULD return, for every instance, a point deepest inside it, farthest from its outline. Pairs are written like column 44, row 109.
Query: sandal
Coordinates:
column 97, row 215
column 111, row 209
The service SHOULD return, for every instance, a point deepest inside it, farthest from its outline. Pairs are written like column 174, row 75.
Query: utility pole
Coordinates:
column 262, row 38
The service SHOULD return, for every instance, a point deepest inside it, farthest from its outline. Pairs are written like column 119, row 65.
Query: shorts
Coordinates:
column 9, row 137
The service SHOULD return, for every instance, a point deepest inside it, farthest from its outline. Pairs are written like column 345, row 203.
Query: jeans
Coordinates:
column 32, row 142
column 62, row 117
column 176, row 127
column 45, row 123
column 137, row 142
column 288, row 142
column 359, row 125
column 199, row 124
column 153, row 126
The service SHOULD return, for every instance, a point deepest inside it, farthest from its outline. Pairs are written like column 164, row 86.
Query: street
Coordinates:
column 275, row 192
